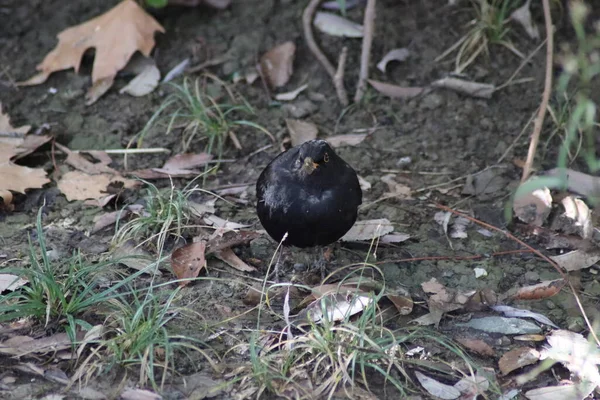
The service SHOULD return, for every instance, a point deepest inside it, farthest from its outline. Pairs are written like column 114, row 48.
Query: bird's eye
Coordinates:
column 326, row 157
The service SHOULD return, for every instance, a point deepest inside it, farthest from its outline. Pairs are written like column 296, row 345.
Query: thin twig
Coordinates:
column 338, row 78
column 520, row 67
column 365, row 56
column 539, row 121
column 307, row 18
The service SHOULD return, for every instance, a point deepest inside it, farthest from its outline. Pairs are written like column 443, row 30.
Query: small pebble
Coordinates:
column 404, row 162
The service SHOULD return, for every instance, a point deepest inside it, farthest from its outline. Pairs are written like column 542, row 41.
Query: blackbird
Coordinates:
column 310, row 193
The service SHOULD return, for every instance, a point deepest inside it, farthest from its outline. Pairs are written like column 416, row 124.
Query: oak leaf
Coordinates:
column 116, row 35
column 15, row 177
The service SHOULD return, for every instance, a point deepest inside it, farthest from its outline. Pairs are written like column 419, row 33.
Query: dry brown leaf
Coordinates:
column 187, row 161
column 368, row 230
column 276, row 65
column 476, row 346
column 301, row 131
column 395, row 91
column 77, row 185
column 78, row 161
column 188, row 261
column 533, row 208
column 539, row 291
column 116, row 35
column 231, row 259
column 517, row 358
column 404, row 304
column 230, row 239
column 351, row 139
column 475, row 89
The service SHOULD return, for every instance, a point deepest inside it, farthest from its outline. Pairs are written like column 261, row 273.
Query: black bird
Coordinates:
column 310, row 193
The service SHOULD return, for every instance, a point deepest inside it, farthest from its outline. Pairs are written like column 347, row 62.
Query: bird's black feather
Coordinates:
column 315, row 208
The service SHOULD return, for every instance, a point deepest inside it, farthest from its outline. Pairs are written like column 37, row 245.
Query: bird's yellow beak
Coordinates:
column 309, row 165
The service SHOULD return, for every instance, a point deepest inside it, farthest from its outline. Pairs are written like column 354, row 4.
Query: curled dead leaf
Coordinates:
column 301, row 131
column 395, row 91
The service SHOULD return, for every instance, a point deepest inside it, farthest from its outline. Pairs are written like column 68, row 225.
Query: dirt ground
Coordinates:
column 448, row 136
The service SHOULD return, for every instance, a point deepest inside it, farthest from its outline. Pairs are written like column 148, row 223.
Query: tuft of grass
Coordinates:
column 335, row 358
column 166, row 214
column 201, row 115
column 138, row 335
column 61, row 290
column 489, row 27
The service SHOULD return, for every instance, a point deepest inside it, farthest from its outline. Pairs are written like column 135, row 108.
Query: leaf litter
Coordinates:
column 115, row 35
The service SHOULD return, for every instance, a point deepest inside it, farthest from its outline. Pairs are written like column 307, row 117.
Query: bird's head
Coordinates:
column 313, row 156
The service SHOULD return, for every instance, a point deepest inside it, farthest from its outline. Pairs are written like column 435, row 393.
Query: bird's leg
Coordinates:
column 323, row 258
column 280, row 261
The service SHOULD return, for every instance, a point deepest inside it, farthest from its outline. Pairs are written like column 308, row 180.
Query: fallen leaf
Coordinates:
column 334, row 25
column 399, row 190
column 395, row 91
column 437, row 389
column 576, row 353
column 335, row 307
column 78, row 161
column 107, row 219
column 139, row 394
column 395, row 237
column 301, row 131
column 289, row 96
column 116, row 35
column 393, row 55
column 134, row 257
column 522, row 15
column 222, row 223
column 534, row 207
column 472, row 386
column 517, row 358
column 231, row 259
column 476, row 346
column 506, row 326
column 187, row 161
column 403, row 304
column 576, row 260
column 351, row 139
column 147, row 76
column 518, row 313
column 577, row 182
column 77, row 185
column 368, row 230
column 22, row 345
column 276, row 65
column 565, row 392
column 188, row 261
column 576, row 219
column 11, row 282
column 485, row 183
column 539, row 291
column 474, row 89
column 230, row 239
